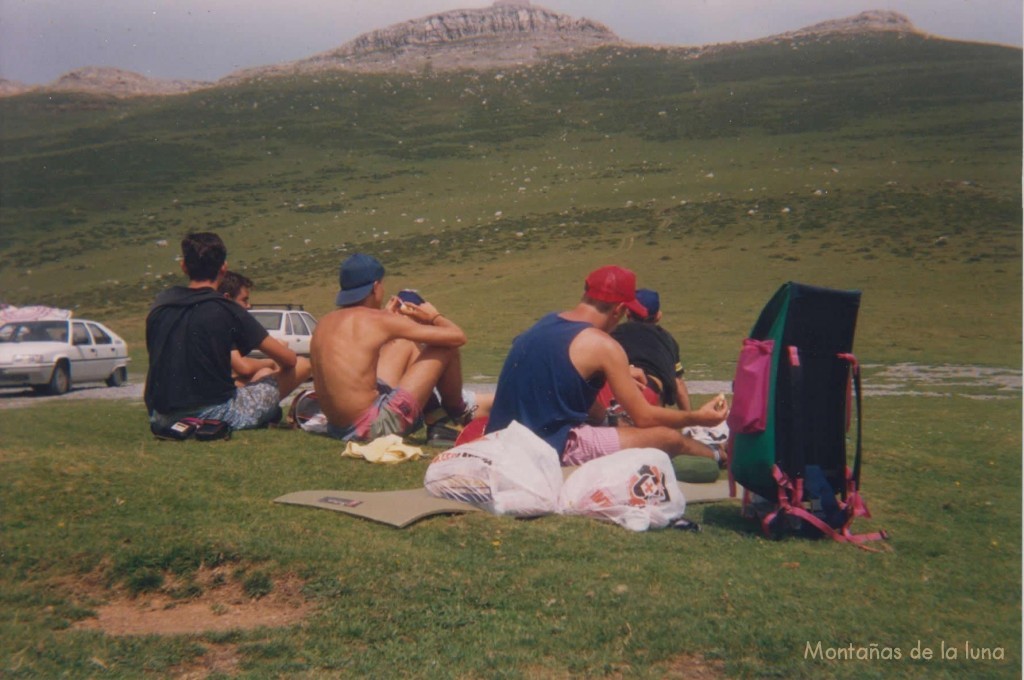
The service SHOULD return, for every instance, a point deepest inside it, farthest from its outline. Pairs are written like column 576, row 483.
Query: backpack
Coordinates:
column 795, row 383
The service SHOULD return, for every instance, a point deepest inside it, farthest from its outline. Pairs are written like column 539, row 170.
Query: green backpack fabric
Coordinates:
column 793, row 395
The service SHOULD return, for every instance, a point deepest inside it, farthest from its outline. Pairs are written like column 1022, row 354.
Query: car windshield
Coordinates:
column 270, row 320
column 34, row 331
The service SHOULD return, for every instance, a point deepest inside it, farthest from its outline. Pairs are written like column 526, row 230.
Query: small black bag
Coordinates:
column 200, row 429
column 210, row 429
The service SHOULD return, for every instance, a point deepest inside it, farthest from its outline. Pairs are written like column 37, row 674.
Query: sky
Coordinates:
column 40, row 40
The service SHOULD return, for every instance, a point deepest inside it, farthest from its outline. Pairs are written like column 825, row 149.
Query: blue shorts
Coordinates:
column 253, row 406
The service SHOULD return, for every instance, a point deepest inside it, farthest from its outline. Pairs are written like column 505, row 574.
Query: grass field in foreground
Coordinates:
column 91, row 498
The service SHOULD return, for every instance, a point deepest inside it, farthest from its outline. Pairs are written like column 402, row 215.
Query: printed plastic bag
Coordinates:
column 509, row 472
column 634, row 488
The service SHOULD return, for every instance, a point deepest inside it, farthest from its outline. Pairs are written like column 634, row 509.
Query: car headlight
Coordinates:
column 28, row 358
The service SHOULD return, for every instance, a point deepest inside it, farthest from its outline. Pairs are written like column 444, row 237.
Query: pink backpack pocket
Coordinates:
column 749, row 413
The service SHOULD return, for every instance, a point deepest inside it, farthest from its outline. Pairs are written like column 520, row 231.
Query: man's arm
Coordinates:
column 682, row 395
column 423, row 323
column 279, row 352
column 245, row 367
column 613, row 362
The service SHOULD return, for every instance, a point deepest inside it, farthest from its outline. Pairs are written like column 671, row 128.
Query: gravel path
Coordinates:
column 973, row 382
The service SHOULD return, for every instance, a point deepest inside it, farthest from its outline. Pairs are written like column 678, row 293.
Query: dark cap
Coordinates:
column 358, row 274
column 651, row 301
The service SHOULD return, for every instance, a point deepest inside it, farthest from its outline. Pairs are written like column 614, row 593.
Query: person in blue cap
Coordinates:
column 375, row 368
column 652, row 349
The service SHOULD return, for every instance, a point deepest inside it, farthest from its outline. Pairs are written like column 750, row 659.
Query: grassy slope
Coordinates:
column 839, row 164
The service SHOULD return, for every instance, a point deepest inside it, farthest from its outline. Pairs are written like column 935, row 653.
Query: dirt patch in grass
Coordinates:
column 694, row 667
column 216, row 660
column 215, row 603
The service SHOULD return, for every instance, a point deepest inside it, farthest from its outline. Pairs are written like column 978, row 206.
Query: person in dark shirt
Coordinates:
column 554, row 371
column 190, row 332
column 237, row 288
column 652, row 349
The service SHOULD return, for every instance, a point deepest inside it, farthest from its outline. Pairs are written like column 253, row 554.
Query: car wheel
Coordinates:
column 118, row 377
column 60, row 380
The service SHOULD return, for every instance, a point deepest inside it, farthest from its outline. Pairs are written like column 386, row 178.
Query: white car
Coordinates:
column 50, row 355
column 288, row 323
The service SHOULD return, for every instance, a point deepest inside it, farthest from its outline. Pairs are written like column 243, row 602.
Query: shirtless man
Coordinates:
column 376, row 369
column 555, row 370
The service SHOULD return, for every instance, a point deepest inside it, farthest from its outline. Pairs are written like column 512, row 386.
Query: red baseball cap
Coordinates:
column 614, row 284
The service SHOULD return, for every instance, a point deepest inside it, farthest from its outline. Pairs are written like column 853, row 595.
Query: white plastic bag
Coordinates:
column 509, row 472
column 634, row 488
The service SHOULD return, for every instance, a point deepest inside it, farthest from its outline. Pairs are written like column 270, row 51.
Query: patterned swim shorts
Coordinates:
column 252, row 406
column 395, row 411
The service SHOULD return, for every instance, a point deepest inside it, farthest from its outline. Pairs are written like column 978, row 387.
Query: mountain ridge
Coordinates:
column 507, row 33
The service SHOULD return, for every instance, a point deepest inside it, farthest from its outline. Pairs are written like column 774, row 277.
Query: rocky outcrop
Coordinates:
column 866, row 22
column 9, row 88
column 119, row 83
column 506, row 33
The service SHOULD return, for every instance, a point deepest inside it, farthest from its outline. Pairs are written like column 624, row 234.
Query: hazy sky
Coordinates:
column 207, row 39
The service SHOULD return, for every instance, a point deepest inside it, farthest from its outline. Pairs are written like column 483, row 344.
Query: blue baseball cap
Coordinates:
column 650, row 300
column 358, row 274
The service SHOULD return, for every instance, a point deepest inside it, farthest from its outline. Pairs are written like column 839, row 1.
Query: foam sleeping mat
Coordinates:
column 402, row 508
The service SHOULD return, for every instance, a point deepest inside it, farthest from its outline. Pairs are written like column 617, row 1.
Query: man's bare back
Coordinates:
column 345, row 350
column 350, row 344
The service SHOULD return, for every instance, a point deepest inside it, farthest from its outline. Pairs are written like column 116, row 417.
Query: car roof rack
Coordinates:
column 290, row 306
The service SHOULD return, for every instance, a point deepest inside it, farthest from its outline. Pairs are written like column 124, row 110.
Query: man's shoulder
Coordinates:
column 594, row 337
column 348, row 316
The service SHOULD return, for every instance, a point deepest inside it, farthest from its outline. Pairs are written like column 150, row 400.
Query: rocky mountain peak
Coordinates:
column 119, row 83
column 507, row 32
column 865, row 22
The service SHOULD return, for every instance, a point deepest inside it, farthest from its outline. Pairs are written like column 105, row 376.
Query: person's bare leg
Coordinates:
column 672, row 442
column 449, row 385
column 395, row 359
column 484, row 403
column 290, row 378
column 425, row 373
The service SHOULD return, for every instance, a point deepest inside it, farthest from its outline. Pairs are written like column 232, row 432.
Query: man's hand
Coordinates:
column 713, row 412
column 424, row 312
column 639, row 377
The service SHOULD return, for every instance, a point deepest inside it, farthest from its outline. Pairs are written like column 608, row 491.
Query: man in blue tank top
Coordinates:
column 553, row 372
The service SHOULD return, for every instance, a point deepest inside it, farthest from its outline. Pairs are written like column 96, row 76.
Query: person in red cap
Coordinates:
column 554, row 371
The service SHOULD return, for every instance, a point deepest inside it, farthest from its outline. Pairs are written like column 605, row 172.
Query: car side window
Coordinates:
column 310, row 322
column 99, row 336
column 288, row 324
column 79, row 335
column 300, row 324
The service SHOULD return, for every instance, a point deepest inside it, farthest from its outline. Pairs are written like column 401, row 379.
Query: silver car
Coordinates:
column 51, row 355
column 288, row 323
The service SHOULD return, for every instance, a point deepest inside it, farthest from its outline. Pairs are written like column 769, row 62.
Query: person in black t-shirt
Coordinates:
column 652, row 349
column 237, row 288
column 190, row 332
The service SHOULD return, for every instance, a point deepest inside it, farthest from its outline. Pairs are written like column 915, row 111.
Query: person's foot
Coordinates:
column 443, row 433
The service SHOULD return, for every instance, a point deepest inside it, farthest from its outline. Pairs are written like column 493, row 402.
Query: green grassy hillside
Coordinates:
column 885, row 163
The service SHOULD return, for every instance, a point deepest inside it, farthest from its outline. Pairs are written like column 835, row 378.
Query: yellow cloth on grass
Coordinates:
column 388, row 450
